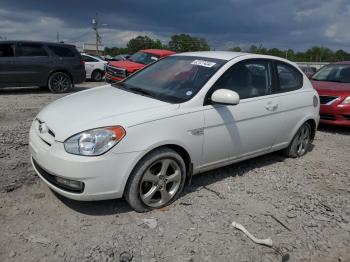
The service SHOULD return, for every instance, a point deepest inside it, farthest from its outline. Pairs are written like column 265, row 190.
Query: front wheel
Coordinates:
column 157, row 180
column 300, row 143
column 97, row 76
column 60, row 82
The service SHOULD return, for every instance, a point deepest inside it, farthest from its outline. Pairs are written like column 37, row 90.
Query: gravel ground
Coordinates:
column 302, row 204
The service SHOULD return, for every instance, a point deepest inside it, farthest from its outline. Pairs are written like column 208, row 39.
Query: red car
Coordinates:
column 332, row 83
column 118, row 70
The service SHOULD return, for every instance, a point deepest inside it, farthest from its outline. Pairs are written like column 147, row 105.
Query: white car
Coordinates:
column 94, row 67
column 144, row 137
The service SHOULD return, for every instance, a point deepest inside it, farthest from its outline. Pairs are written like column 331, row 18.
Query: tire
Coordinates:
column 156, row 181
column 60, row 82
column 300, row 142
column 96, row 76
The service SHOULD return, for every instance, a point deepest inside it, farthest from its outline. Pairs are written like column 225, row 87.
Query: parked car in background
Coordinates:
column 185, row 114
column 118, row 70
column 332, row 83
column 309, row 71
column 53, row 65
column 117, row 57
column 94, row 67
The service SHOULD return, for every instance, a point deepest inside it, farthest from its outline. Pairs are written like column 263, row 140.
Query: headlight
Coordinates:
column 94, row 142
column 346, row 100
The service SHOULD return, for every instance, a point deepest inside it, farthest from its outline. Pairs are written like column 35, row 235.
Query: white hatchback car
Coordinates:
column 144, row 137
column 94, row 66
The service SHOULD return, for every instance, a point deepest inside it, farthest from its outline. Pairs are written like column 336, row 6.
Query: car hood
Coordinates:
column 99, row 107
column 331, row 88
column 127, row 64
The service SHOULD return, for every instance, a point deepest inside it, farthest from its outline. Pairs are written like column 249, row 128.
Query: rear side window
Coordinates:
column 249, row 78
column 25, row 49
column 89, row 59
column 7, row 50
column 61, row 51
column 289, row 78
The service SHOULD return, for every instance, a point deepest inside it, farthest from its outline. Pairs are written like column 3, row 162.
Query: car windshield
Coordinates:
column 174, row 79
column 334, row 73
column 143, row 58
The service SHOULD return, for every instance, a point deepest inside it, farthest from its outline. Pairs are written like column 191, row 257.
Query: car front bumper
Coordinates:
column 112, row 79
column 337, row 114
column 104, row 176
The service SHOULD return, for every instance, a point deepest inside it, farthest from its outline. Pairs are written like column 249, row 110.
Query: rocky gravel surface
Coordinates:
column 303, row 205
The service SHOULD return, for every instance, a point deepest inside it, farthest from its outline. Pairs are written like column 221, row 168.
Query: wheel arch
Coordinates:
column 182, row 151
column 60, row 70
column 313, row 124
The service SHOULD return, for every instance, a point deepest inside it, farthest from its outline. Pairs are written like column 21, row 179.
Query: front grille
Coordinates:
column 51, row 178
column 347, row 117
column 327, row 100
column 115, row 71
column 327, row 117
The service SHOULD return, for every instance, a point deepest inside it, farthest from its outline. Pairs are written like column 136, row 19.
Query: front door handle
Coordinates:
column 271, row 107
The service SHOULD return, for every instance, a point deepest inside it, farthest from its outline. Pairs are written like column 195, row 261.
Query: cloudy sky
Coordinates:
column 297, row 24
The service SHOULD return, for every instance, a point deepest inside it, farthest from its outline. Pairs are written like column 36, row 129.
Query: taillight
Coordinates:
column 82, row 62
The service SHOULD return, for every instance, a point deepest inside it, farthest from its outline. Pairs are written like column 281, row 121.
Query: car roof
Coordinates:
column 223, row 55
column 160, row 52
column 228, row 55
column 35, row 42
column 342, row 63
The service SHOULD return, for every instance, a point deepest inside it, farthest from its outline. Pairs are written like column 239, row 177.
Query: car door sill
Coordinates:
column 232, row 160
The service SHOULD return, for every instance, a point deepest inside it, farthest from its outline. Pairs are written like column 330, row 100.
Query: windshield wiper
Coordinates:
column 141, row 91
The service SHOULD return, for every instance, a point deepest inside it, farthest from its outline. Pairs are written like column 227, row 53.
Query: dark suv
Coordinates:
column 53, row 65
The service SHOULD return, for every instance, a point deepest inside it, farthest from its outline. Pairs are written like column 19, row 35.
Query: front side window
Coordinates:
column 7, row 50
column 289, row 78
column 333, row 73
column 250, row 78
column 29, row 49
column 174, row 79
column 143, row 58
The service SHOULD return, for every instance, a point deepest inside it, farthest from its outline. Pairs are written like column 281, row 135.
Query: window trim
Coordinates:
column 278, row 89
column 207, row 100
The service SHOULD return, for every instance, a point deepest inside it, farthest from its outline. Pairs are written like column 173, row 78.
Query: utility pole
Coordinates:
column 95, row 27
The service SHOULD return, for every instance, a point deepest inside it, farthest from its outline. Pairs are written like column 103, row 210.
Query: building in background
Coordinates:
column 90, row 48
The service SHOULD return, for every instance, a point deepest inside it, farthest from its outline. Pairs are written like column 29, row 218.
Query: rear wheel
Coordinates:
column 157, row 180
column 60, row 82
column 97, row 76
column 300, row 143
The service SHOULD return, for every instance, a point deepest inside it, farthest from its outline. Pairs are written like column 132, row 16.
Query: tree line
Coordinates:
column 178, row 43
column 186, row 43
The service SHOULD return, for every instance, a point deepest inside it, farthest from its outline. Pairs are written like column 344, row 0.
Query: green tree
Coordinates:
column 187, row 43
column 235, row 49
column 113, row 51
column 143, row 42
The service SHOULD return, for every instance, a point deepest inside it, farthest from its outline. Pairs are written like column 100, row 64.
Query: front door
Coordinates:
column 233, row 132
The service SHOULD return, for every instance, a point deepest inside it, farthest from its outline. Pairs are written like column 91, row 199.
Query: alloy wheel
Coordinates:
column 160, row 183
column 303, row 139
column 60, row 83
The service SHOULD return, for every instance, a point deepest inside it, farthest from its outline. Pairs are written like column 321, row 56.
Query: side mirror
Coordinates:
column 225, row 97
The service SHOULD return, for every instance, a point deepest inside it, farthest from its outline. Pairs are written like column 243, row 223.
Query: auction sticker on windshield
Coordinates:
column 203, row 63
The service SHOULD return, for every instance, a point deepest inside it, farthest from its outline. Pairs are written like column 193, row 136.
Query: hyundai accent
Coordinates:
column 143, row 138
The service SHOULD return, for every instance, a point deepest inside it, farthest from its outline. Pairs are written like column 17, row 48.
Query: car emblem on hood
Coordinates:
column 43, row 128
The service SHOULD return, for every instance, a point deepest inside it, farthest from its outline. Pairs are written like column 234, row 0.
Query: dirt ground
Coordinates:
column 303, row 205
